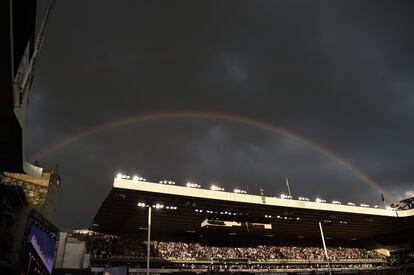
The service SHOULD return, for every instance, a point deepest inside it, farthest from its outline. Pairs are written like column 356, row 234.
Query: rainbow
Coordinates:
column 217, row 116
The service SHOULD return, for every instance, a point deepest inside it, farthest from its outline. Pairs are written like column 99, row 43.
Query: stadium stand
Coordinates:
column 198, row 230
column 196, row 257
column 107, row 246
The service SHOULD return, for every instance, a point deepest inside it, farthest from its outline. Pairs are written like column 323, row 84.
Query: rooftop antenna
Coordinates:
column 288, row 187
column 383, row 200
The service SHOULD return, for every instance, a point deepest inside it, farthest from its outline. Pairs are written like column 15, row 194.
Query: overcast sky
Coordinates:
column 339, row 74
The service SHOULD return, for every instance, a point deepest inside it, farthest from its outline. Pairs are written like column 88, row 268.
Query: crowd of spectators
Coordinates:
column 238, row 266
column 107, row 246
column 402, row 256
column 181, row 250
column 104, row 246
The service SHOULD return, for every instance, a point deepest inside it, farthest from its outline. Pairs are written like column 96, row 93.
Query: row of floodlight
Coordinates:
column 193, row 185
column 161, row 206
column 135, row 178
column 283, row 217
column 319, row 200
column 216, row 212
column 239, row 191
column 330, row 221
column 188, row 184
column 216, row 188
column 169, row 182
column 303, row 199
column 157, row 206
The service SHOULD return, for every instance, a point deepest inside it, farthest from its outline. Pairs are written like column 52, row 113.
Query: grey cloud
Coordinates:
column 338, row 73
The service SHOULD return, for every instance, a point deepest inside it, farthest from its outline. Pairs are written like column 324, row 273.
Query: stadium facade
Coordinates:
column 284, row 218
column 185, row 219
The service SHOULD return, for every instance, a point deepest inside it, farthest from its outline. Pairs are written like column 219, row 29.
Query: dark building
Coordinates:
column 18, row 21
column 27, row 195
column 20, row 220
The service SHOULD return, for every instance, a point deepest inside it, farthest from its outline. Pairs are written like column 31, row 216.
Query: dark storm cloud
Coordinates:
column 339, row 73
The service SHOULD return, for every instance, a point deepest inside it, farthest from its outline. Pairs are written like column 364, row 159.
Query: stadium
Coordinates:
column 146, row 227
column 202, row 230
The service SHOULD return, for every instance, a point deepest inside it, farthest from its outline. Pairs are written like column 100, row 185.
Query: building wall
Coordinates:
column 14, row 211
column 50, row 205
column 10, row 129
column 71, row 253
column 42, row 193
